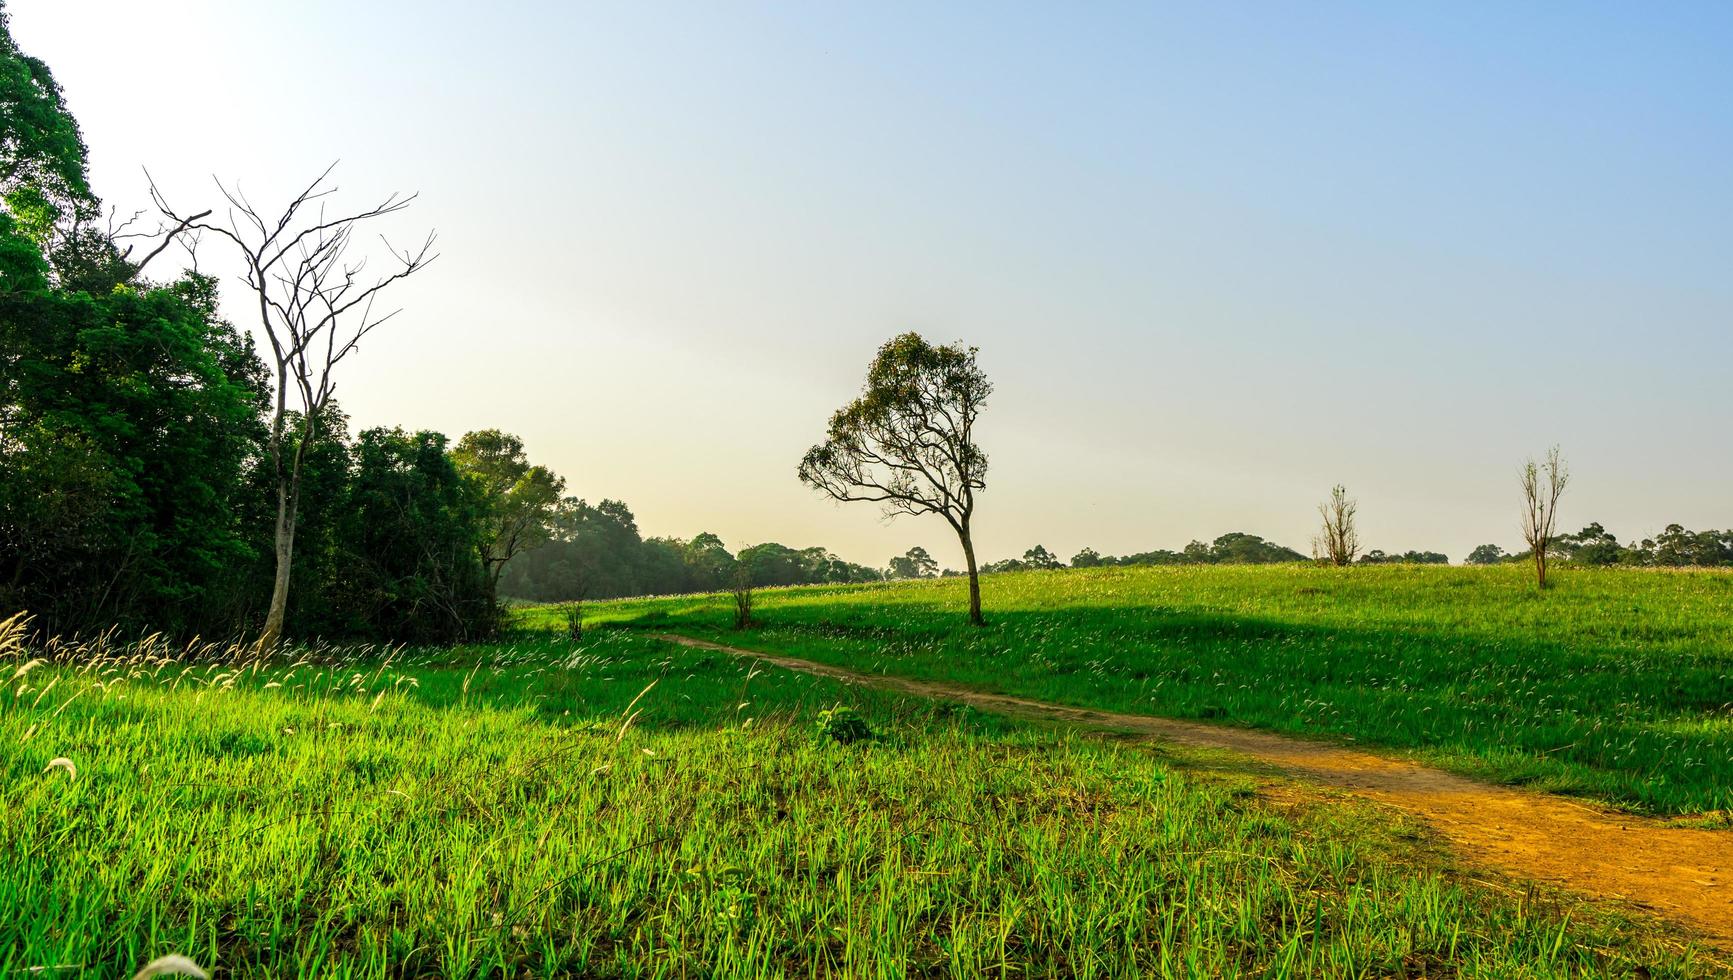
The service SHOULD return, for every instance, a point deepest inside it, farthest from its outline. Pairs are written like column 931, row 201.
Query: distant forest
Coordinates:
column 596, row 552
column 1674, row 547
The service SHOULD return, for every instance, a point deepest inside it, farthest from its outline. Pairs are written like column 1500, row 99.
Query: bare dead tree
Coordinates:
column 1542, row 486
column 314, row 304
column 908, row 441
column 1339, row 540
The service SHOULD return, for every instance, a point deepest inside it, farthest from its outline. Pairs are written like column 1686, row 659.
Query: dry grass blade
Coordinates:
column 173, row 965
column 630, row 714
column 12, row 634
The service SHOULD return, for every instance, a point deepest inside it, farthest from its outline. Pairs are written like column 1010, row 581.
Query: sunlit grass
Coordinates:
column 490, row 812
column 1613, row 683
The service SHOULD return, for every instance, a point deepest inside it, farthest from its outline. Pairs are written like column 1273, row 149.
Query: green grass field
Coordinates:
column 1611, row 684
column 542, row 809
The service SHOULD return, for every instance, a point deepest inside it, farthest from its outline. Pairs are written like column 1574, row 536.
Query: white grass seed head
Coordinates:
column 173, row 965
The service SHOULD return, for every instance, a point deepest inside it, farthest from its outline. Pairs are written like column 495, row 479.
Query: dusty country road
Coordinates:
column 1682, row 874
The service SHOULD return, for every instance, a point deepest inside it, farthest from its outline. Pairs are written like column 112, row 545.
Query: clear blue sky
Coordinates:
column 1217, row 257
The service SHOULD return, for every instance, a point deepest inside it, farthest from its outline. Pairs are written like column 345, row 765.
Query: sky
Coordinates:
column 1217, row 257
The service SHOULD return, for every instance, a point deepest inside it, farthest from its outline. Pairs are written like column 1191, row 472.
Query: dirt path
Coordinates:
column 1682, row 874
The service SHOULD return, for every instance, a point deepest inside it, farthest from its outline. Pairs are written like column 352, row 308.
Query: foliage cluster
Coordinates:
column 1595, row 546
column 1233, row 548
column 597, row 552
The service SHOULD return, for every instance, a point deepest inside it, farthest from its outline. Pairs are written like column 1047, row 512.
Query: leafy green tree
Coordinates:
column 43, row 184
column 1160, row 556
column 1378, row 557
column 1240, row 548
column 915, row 563
column 412, row 536
column 40, row 145
column 1089, row 558
column 1677, row 547
column 773, row 564
column 1486, row 554
column 1040, row 557
column 128, row 410
column 824, row 567
column 518, row 499
column 908, row 441
column 770, row 564
column 709, row 566
column 126, row 423
column 820, row 566
column 595, row 552
column 1593, row 545
column 665, row 571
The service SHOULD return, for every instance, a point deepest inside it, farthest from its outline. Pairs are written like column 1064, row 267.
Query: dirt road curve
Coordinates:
column 1682, row 874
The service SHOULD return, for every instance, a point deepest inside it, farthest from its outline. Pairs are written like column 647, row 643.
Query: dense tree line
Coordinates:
column 1233, row 548
column 596, row 552
column 136, row 437
column 1377, row 557
column 1674, row 547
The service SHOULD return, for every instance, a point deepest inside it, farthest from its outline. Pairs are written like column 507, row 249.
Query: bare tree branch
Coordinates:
column 314, row 307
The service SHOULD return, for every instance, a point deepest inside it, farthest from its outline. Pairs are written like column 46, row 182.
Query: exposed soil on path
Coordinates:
column 1679, row 873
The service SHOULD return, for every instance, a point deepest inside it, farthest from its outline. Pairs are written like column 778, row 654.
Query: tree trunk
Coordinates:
column 1540, row 567
column 492, row 569
column 974, row 577
column 287, row 504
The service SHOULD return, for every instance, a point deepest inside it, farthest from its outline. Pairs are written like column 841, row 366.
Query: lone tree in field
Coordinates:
column 1542, row 486
column 908, row 441
column 315, row 304
column 1339, row 541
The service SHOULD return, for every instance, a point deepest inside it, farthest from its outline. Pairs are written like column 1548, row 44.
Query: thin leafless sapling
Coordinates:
column 1339, row 540
column 1542, row 485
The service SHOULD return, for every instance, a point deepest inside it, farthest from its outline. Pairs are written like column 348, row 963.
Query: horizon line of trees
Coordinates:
column 1674, row 547
column 597, row 552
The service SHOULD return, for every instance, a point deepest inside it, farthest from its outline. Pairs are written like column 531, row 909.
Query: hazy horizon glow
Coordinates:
column 1217, row 259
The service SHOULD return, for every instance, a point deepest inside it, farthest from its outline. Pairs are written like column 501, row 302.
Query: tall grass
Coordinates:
column 488, row 812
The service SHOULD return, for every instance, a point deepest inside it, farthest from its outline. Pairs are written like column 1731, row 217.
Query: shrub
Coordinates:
column 843, row 725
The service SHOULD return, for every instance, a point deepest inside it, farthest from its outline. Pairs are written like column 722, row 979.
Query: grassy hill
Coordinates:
column 1613, row 683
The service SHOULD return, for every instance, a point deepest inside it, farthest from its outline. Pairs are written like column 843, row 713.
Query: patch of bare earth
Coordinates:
column 1679, row 873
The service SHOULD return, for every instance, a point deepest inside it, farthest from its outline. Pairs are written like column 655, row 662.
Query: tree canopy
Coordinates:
column 908, row 441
